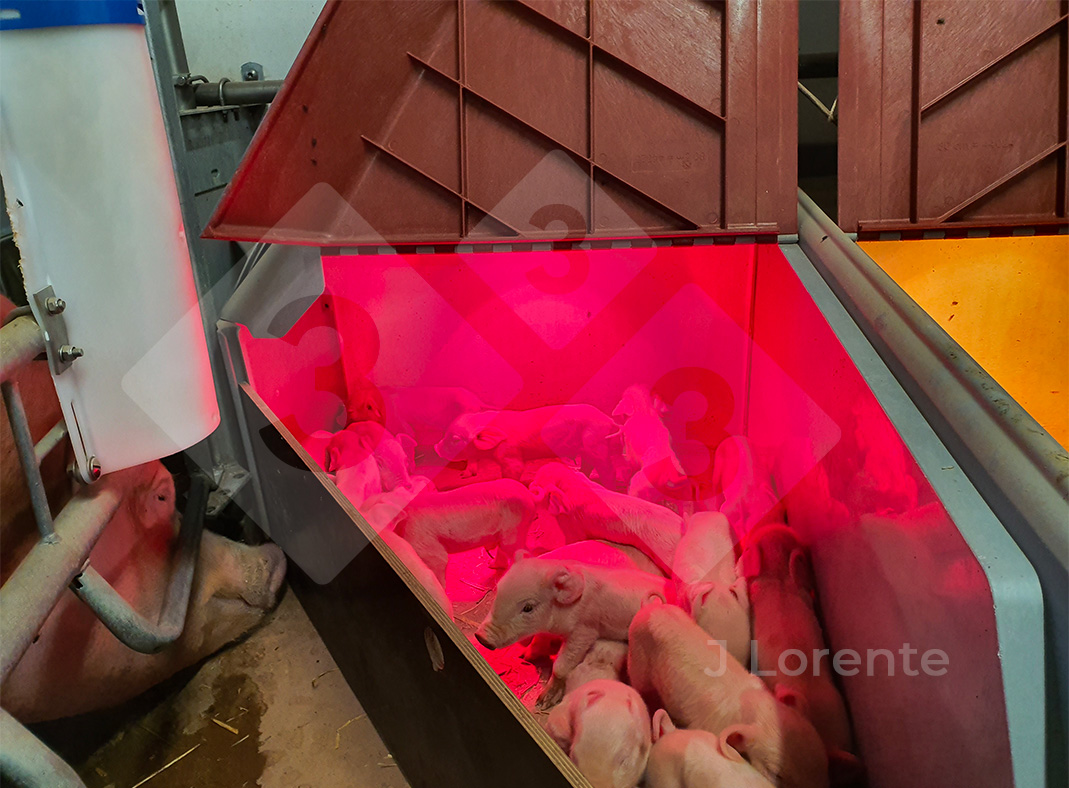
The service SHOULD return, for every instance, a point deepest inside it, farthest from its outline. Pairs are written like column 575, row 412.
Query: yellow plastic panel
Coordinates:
column 1006, row 302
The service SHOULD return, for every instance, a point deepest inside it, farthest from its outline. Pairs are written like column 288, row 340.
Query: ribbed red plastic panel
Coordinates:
column 477, row 120
column 952, row 114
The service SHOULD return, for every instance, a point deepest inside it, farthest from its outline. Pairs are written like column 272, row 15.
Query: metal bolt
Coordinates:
column 69, row 353
column 55, row 306
column 94, row 467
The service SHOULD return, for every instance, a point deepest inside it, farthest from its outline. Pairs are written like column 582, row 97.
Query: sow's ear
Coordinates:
column 487, row 438
column 662, row 725
column 568, row 586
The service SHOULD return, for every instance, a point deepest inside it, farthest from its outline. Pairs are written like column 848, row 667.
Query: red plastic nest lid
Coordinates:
column 477, row 120
column 952, row 117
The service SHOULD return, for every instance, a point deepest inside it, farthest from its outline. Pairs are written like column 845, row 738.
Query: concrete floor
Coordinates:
column 272, row 711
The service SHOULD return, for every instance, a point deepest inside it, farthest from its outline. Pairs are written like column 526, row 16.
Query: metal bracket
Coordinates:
column 61, row 354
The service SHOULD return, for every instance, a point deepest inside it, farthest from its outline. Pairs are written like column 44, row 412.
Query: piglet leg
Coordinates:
column 573, row 652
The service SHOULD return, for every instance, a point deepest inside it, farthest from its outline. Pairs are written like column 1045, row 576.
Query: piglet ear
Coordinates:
column 558, row 503
column 662, row 724
column 568, row 586
column 792, row 699
column 333, row 458
column 487, row 438
column 736, row 741
column 520, row 554
column 802, row 571
column 559, row 726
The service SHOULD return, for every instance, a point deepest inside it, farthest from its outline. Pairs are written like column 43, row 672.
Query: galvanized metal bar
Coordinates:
column 50, row 441
column 130, row 627
column 227, row 93
column 20, row 429
column 21, row 341
column 27, row 762
column 31, row 592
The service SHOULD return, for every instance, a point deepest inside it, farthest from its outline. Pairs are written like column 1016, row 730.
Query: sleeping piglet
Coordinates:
column 607, row 659
column 697, row 759
column 353, row 464
column 391, row 454
column 484, row 514
column 575, row 602
column 712, row 593
column 605, row 728
column 781, row 589
column 419, row 570
column 586, row 510
column 670, row 660
column 601, row 553
column 648, row 444
column 509, row 438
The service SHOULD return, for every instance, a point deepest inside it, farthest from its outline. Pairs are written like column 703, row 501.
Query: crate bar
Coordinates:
column 28, row 762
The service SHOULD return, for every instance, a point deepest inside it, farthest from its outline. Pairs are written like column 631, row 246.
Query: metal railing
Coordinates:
column 60, row 560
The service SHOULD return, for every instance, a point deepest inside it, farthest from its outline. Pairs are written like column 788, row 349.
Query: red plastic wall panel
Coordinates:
column 481, row 120
column 952, row 113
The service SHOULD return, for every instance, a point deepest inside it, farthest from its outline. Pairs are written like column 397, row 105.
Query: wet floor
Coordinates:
column 272, row 711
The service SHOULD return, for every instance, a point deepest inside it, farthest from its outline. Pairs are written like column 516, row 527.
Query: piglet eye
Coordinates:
column 528, row 607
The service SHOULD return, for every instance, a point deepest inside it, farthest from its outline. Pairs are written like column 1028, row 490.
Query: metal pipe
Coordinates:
column 1026, row 462
column 129, row 626
column 50, row 441
column 226, row 93
column 21, row 341
column 27, row 762
column 166, row 12
column 20, row 429
column 33, row 588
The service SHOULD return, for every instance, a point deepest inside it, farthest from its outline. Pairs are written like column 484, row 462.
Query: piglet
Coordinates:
column 607, row 659
column 575, row 602
column 509, row 438
column 781, row 589
column 586, row 510
column 747, row 483
column 648, row 444
column 698, row 759
column 706, row 552
column 671, row 660
column 426, row 578
column 605, row 728
column 384, row 509
column 597, row 552
column 353, row 464
column 485, row 514
column 391, row 454
column 425, row 412
column 711, row 592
